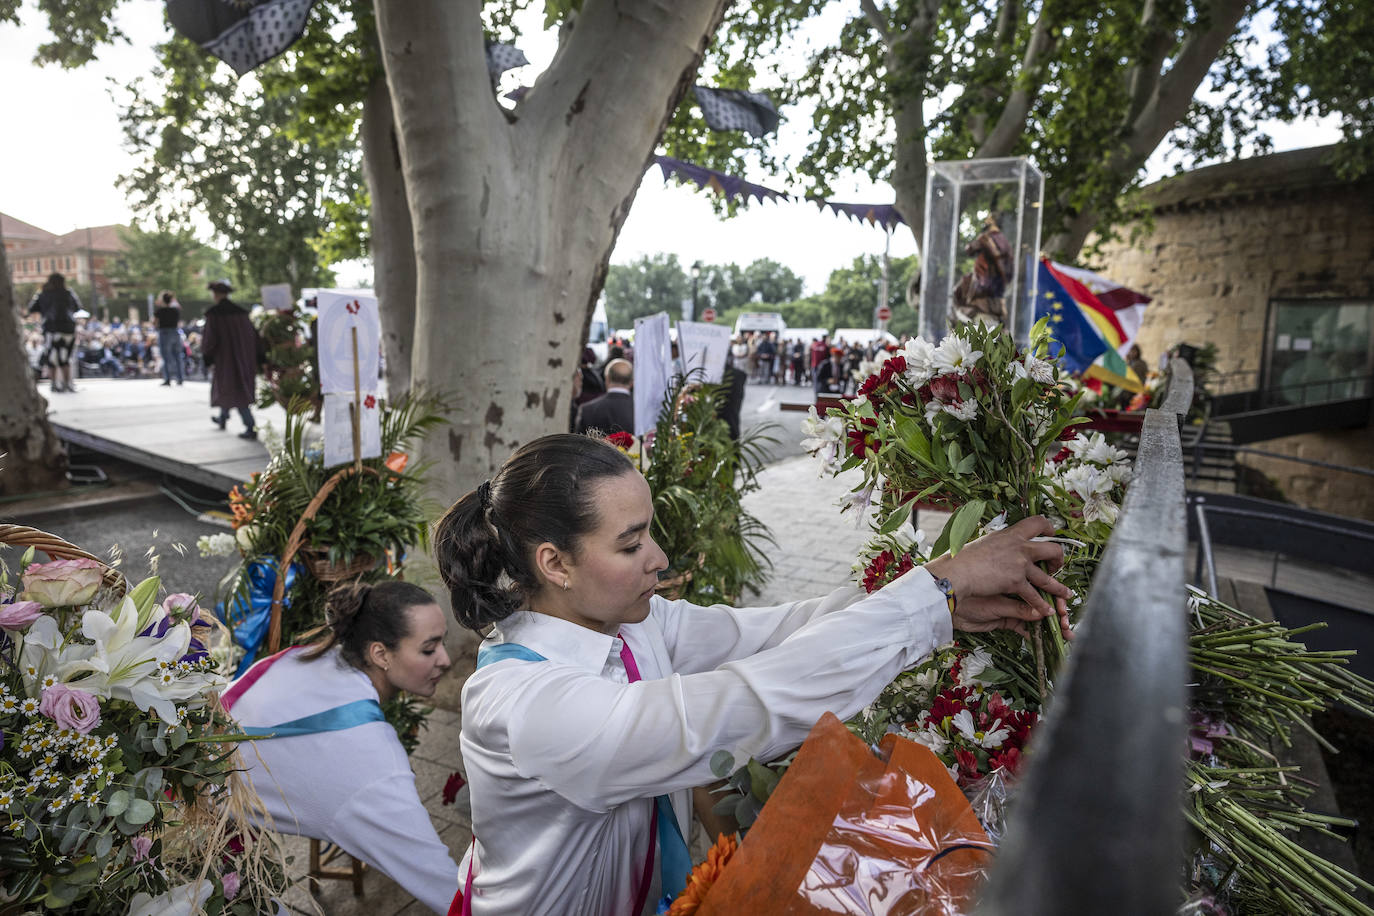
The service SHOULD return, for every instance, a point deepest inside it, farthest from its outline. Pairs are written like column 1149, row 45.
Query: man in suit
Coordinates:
column 614, row 411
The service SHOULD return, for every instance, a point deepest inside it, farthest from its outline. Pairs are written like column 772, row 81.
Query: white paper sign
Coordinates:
column 1285, row 342
column 339, row 313
column 276, row 296
column 338, row 428
column 703, row 346
column 653, row 368
column 1302, row 343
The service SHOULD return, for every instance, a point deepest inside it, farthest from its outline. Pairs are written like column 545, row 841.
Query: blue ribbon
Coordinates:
column 349, row 715
column 675, row 863
column 249, row 615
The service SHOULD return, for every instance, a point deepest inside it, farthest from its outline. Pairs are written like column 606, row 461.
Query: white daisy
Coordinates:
column 920, row 361
column 955, row 355
column 965, row 411
column 991, row 738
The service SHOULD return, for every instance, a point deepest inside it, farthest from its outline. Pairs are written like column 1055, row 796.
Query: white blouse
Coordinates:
column 352, row 787
column 565, row 756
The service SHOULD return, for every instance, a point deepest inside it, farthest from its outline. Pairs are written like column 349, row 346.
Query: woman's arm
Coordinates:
column 701, row 638
column 599, row 743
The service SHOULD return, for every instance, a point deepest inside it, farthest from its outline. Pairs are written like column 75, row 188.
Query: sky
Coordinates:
column 72, row 183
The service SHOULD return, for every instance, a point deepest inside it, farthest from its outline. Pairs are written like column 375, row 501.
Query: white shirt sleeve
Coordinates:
column 385, row 825
column 598, row 743
column 702, row 638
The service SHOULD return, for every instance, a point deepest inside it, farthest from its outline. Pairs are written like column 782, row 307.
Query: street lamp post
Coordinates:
column 696, row 277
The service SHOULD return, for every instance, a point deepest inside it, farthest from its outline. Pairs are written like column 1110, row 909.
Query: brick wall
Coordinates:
column 1228, row 239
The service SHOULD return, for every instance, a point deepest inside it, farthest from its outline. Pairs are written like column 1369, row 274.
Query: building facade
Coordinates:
column 83, row 256
column 1272, row 260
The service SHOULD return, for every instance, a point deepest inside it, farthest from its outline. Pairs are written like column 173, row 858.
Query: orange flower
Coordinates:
column 396, row 461
column 242, row 509
column 703, row 876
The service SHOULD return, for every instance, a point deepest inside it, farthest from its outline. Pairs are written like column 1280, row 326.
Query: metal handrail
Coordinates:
column 1200, row 449
column 1357, row 386
column 1099, row 827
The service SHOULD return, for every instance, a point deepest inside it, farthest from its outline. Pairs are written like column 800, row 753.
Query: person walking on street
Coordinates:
column 168, row 316
column 58, row 306
column 232, row 348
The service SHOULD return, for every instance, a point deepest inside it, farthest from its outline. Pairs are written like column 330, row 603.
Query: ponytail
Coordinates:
column 484, row 544
column 358, row 614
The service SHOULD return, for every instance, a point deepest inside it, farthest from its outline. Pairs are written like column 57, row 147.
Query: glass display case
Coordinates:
column 981, row 245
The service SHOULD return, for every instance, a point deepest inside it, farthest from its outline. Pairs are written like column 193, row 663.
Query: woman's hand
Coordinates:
column 1002, row 564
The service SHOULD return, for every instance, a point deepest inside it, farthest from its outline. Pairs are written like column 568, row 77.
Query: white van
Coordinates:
column 599, row 331
column 760, row 321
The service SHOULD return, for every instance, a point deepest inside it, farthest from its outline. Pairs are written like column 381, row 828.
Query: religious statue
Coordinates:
column 981, row 294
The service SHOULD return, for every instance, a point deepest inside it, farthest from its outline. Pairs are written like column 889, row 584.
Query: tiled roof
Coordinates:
column 18, row 230
column 100, row 238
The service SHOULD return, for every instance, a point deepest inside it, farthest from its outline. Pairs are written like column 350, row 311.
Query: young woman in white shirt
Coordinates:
column 596, row 704
column 336, row 770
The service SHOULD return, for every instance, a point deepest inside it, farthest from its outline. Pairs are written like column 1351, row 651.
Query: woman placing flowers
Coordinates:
column 335, row 769
column 597, row 705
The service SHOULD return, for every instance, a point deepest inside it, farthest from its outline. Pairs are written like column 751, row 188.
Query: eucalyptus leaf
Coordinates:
column 762, row 781
column 746, row 811
column 103, row 844
column 722, row 763
column 140, row 812
column 118, row 803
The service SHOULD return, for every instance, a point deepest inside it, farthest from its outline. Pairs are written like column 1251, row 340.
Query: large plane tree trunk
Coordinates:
column 32, row 458
column 515, row 213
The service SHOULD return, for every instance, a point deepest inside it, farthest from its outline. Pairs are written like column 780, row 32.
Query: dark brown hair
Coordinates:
column 357, row 615
column 484, row 544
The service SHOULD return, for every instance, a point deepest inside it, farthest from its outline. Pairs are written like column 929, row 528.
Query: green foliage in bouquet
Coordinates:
column 699, row 476
column 290, row 376
column 117, row 757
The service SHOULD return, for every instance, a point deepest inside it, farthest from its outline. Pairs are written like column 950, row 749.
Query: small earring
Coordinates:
column 566, row 586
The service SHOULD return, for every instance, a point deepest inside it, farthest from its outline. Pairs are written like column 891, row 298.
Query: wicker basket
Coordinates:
column 320, row 566
column 58, row 549
column 294, row 545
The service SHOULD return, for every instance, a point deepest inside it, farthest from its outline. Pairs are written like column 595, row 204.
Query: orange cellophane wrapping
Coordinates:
column 846, row 831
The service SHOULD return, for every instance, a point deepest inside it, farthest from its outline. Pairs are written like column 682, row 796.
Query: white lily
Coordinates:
column 126, row 665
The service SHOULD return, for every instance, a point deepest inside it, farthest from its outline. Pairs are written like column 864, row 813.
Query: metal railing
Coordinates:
column 1201, row 449
column 1098, row 827
column 1319, row 391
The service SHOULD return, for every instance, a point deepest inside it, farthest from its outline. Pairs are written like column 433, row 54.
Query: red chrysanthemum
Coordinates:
column 1009, row 759
column 621, row 440
column 862, row 440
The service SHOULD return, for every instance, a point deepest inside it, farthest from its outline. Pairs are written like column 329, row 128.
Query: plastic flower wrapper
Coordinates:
column 990, row 797
column 846, row 827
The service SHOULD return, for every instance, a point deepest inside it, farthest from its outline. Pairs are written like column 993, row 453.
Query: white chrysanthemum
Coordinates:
column 1098, row 508
column 964, row 411
column 972, row 665
column 920, row 361
column 1040, row 370
column 1120, row 472
column 997, row 523
column 1086, row 481
column 955, row 355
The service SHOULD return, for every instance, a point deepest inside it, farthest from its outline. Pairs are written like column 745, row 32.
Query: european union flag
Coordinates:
column 1079, row 343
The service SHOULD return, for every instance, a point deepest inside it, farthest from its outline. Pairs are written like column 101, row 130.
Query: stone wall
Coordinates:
column 1226, row 240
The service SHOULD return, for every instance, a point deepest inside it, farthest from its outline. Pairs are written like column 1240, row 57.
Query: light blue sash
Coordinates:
column 675, row 864
column 349, row 715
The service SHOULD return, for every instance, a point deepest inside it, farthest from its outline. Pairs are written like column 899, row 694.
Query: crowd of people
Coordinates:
column 769, row 359
column 63, row 341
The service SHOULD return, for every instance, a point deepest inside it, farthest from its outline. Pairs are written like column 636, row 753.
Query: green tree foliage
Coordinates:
column 154, row 260
column 206, row 146
column 851, row 295
column 652, row 283
column 659, row 282
column 1087, row 89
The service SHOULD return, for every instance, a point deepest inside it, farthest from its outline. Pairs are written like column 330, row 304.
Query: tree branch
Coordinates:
column 1012, row 122
column 1143, row 76
column 878, row 21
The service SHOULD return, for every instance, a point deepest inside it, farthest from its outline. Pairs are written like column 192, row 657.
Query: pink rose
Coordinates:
column 62, row 583
column 230, row 880
column 20, row 614
column 142, row 845
column 70, row 707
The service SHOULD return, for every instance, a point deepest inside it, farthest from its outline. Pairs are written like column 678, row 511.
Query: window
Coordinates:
column 1319, row 350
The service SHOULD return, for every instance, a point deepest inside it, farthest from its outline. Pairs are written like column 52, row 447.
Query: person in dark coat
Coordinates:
column 58, row 306
column 231, row 347
column 614, row 411
column 832, row 377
